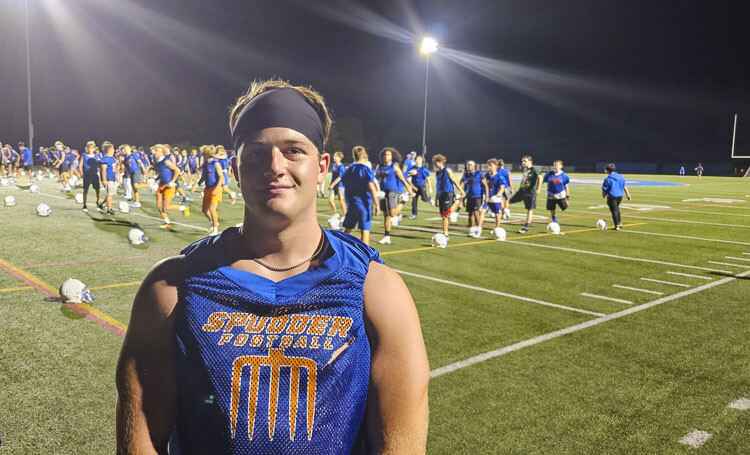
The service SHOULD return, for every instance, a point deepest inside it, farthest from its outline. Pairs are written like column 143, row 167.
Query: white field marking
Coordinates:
column 637, row 289
column 743, row 404
column 687, row 237
column 691, row 276
column 736, row 259
column 602, row 297
column 595, row 253
column 575, row 328
column 635, row 207
column 710, row 213
column 713, row 199
column 731, row 265
column 504, row 294
column 696, row 438
column 666, row 282
column 746, row 226
column 746, row 253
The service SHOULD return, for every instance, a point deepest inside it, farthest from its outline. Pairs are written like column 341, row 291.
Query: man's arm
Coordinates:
column 397, row 410
column 104, row 173
column 627, row 193
column 453, row 179
column 146, row 379
column 372, row 186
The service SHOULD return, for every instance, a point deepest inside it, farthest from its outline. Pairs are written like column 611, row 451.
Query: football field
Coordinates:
column 587, row 342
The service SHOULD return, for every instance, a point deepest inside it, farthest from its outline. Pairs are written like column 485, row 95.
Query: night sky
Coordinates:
column 583, row 81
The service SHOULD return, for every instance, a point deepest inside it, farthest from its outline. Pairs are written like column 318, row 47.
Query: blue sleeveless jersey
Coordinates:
column 387, row 177
column 267, row 367
column 444, row 184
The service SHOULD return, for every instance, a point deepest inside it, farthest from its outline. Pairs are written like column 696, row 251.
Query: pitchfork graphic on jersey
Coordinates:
column 275, row 360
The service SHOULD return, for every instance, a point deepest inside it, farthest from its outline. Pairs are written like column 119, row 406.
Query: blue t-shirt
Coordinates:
column 210, row 175
column 420, row 178
column 144, row 159
column 91, row 164
column 224, row 163
column 111, row 168
column 444, row 183
column 72, row 158
column 409, row 164
column 555, row 182
column 504, row 177
column 193, row 162
column 133, row 162
column 60, row 155
column 387, row 177
column 473, row 183
column 26, row 156
column 338, row 171
column 356, row 181
column 614, row 185
column 165, row 172
column 495, row 182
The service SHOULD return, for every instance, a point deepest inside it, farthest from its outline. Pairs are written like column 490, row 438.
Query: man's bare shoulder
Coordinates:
column 158, row 291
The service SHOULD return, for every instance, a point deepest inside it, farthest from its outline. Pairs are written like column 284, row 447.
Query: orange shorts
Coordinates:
column 209, row 198
column 166, row 191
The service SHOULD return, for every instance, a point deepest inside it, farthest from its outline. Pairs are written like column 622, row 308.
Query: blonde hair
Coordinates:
column 107, row 146
column 208, row 151
column 358, row 152
column 493, row 161
column 439, row 159
column 258, row 87
column 338, row 155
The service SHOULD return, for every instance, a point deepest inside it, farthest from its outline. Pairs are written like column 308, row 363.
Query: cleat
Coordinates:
column 135, row 204
column 100, row 207
column 523, row 230
column 111, row 212
column 385, row 240
column 85, row 209
column 165, row 226
column 413, row 217
column 454, row 217
column 432, row 201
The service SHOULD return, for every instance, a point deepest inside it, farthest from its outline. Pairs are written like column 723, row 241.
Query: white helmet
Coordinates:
column 404, row 197
column 10, row 201
column 334, row 222
column 440, row 240
column 499, row 234
column 79, row 198
column 4, row 182
column 33, row 188
column 124, row 207
column 601, row 224
column 43, row 210
column 154, row 187
column 75, row 291
column 380, row 194
column 553, row 228
column 137, row 237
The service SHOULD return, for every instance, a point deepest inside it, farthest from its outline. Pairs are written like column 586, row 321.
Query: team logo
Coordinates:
column 278, row 363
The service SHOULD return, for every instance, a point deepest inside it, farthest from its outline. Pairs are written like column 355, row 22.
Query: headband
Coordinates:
column 282, row 107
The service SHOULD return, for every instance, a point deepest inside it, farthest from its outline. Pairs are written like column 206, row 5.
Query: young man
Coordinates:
column 213, row 177
column 474, row 183
column 410, row 162
column 682, row 171
column 699, row 170
column 389, row 174
column 361, row 191
column 337, row 188
column 613, row 188
column 445, row 188
column 558, row 189
column 506, row 180
column 25, row 163
column 89, row 166
column 61, row 165
column 223, row 158
column 137, row 171
column 420, row 180
column 530, row 186
column 110, row 176
column 167, row 173
column 496, row 185
column 279, row 336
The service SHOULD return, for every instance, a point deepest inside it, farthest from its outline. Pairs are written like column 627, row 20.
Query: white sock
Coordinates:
column 166, row 221
column 182, row 208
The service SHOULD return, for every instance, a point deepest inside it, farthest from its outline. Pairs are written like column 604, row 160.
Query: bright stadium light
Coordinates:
column 429, row 46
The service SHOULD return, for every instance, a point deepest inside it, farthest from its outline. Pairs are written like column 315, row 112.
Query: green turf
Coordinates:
column 636, row 384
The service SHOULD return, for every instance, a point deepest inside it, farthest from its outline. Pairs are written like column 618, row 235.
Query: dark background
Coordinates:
column 583, row 81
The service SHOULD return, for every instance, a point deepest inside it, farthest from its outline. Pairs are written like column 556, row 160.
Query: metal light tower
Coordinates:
column 28, row 76
column 429, row 45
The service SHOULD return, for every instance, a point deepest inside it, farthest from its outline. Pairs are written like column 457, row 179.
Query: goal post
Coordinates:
column 734, row 139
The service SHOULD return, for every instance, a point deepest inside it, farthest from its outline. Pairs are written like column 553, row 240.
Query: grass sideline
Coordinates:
column 636, row 384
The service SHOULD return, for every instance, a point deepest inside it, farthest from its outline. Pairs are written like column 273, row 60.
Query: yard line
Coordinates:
column 736, row 259
column 689, row 221
column 116, row 285
column 575, row 328
column 596, row 253
column 712, row 213
column 746, row 253
column 611, row 299
column 637, row 289
column 21, row 288
column 692, row 276
column 504, row 294
column 734, row 242
column 666, row 282
column 726, row 263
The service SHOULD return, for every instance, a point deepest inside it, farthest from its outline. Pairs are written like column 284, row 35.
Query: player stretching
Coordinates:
column 420, row 179
column 336, row 188
column 530, row 186
column 496, row 184
column 699, row 170
column 558, row 189
column 361, row 193
column 613, row 188
column 168, row 173
column 60, row 164
column 388, row 174
column 445, row 187
column 110, row 176
column 279, row 336
column 213, row 177
column 223, row 158
column 89, row 166
column 474, row 182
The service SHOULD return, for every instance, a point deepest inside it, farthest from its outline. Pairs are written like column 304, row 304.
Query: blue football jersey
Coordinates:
column 272, row 367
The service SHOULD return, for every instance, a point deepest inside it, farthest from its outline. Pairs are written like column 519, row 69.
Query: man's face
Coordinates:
column 470, row 167
column 278, row 170
column 558, row 166
column 493, row 167
column 526, row 163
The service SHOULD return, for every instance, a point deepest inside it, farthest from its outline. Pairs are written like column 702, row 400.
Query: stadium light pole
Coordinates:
column 28, row 76
column 429, row 45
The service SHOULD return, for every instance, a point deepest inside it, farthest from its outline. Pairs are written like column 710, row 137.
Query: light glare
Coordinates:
column 429, row 45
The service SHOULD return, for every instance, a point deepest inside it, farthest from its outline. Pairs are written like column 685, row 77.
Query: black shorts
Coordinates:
column 26, row 166
column 445, row 202
column 473, row 204
column 91, row 180
column 390, row 201
column 552, row 203
column 529, row 199
column 64, row 168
